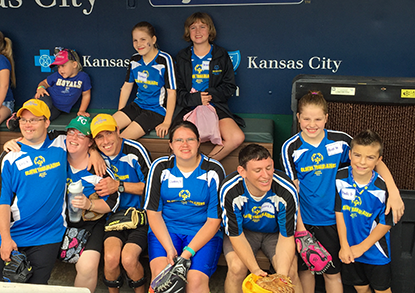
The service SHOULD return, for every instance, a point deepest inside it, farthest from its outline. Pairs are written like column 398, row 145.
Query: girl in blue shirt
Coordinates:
column 153, row 72
column 7, row 77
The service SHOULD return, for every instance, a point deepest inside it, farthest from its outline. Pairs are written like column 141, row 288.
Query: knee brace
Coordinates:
column 136, row 284
column 114, row 284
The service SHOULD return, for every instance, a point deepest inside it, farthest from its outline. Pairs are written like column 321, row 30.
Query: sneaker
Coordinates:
column 13, row 123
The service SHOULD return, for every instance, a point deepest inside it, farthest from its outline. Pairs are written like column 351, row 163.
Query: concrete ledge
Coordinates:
column 17, row 287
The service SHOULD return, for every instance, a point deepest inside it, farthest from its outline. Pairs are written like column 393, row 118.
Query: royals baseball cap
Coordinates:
column 61, row 58
column 36, row 107
column 102, row 122
column 81, row 123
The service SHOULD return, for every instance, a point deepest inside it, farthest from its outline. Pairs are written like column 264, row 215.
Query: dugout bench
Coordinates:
column 260, row 131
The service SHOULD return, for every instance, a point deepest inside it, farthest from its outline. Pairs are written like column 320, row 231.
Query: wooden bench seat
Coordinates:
column 256, row 131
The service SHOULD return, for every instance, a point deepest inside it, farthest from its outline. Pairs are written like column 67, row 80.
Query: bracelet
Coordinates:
column 41, row 86
column 90, row 206
column 192, row 252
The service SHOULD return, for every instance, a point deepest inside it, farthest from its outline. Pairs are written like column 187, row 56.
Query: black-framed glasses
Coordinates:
column 32, row 121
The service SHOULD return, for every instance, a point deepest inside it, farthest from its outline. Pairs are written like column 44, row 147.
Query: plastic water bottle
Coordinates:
column 74, row 189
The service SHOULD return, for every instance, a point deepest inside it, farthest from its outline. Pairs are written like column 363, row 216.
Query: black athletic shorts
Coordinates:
column 147, row 119
column 360, row 274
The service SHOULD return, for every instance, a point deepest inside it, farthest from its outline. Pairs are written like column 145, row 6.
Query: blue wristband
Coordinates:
column 192, row 252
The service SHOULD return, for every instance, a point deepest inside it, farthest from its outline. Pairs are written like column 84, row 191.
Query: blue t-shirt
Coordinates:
column 5, row 65
column 33, row 184
column 363, row 209
column 185, row 201
column 153, row 80
column 275, row 212
column 65, row 92
column 200, row 74
column 316, row 167
column 130, row 165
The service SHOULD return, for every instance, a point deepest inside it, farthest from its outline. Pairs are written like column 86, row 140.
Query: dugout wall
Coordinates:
column 387, row 106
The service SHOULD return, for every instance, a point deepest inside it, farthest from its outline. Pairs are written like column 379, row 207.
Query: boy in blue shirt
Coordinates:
column 362, row 225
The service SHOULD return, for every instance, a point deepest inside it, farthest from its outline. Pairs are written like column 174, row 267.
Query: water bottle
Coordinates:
column 74, row 189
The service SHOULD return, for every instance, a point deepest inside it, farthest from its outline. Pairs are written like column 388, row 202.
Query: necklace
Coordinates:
column 366, row 186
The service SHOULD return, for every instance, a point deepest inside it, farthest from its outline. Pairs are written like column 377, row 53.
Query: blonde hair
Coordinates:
column 6, row 50
column 203, row 18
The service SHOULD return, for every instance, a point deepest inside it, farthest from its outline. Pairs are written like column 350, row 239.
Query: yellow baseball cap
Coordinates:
column 102, row 122
column 36, row 107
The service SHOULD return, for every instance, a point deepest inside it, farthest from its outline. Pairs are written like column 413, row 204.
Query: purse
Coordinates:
column 207, row 122
column 126, row 219
column 73, row 244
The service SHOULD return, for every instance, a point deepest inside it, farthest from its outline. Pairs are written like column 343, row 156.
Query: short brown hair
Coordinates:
column 368, row 137
column 203, row 18
column 254, row 152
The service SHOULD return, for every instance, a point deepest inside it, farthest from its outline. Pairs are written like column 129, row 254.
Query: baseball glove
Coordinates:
column 18, row 269
column 275, row 283
column 124, row 220
column 173, row 278
column 315, row 256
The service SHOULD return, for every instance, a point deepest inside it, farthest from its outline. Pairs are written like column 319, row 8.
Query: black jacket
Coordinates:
column 221, row 82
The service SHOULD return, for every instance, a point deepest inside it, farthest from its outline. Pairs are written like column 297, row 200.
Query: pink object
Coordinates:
column 73, row 243
column 316, row 257
column 207, row 123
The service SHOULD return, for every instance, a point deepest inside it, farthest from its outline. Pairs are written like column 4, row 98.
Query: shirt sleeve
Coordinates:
column 153, row 187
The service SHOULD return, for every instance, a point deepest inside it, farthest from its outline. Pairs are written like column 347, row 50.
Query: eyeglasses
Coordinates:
column 32, row 121
column 72, row 132
column 187, row 140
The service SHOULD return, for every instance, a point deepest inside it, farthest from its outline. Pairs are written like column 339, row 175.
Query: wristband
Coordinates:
column 192, row 252
column 90, row 206
column 41, row 86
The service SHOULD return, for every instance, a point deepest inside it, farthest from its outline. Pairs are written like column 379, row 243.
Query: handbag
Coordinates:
column 207, row 122
column 73, row 244
column 126, row 219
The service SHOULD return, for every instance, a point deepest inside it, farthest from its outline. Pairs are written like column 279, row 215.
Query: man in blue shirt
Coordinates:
column 32, row 218
column 259, row 212
column 130, row 162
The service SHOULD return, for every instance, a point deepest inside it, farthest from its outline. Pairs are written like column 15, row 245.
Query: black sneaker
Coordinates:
column 13, row 123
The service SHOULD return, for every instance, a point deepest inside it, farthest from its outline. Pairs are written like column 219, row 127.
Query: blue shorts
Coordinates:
column 10, row 105
column 205, row 260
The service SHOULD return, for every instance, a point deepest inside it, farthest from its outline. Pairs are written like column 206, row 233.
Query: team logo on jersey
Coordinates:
column 357, row 201
column 44, row 59
column 235, row 58
column 39, row 161
column 198, row 68
column 184, row 194
column 256, row 210
column 114, row 169
column 317, row 158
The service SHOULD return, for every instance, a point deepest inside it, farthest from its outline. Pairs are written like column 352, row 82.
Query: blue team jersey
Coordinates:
column 153, row 80
column 130, row 165
column 33, row 184
column 275, row 212
column 315, row 167
column 200, row 74
column 65, row 92
column 5, row 65
column 185, row 202
column 363, row 209
column 89, row 180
